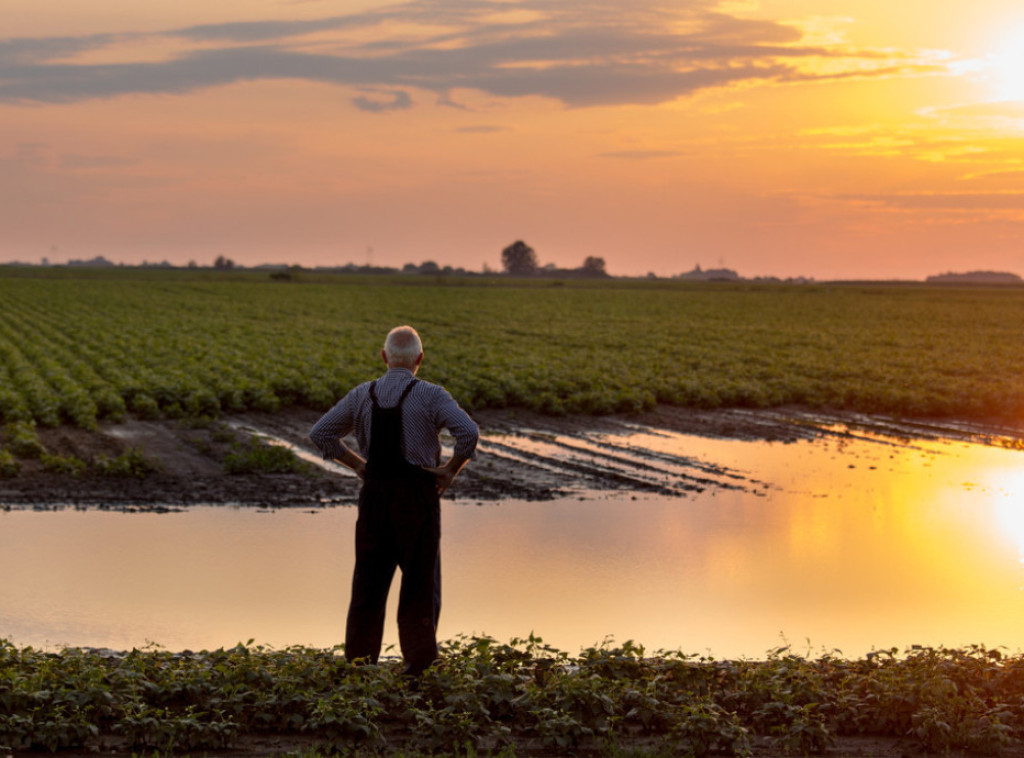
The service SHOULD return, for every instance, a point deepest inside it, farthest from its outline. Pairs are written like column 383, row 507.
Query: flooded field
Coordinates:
column 835, row 536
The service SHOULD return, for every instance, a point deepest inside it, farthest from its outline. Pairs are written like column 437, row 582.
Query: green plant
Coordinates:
column 131, row 463
column 171, row 731
column 22, row 439
column 9, row 466
column 706, row 727
column 257, row 456
column 63, row 464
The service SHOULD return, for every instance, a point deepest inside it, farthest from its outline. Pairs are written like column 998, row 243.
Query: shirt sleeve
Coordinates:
column 465, row 431
column 338, row 422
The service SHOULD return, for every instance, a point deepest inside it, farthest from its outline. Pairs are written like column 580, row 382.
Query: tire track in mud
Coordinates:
column 534, row 464
column 604, row 465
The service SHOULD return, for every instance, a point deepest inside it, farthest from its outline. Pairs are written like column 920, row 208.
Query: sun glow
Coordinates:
column 1007, row 66
column 1009, row 511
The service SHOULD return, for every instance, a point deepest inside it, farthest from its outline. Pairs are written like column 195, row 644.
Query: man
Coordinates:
column 396, row 420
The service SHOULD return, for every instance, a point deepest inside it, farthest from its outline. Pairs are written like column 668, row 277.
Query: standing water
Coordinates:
column 840, row 542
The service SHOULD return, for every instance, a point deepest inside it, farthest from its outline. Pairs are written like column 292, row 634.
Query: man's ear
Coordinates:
column 419, row 360
column 384, row 356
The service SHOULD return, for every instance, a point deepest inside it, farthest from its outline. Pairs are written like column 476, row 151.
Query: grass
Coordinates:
column 517, row 698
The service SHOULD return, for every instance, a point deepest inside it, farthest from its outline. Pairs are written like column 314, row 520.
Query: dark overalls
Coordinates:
column 399, row 524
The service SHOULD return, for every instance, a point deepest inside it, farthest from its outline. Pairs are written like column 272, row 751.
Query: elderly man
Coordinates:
column 396, row 420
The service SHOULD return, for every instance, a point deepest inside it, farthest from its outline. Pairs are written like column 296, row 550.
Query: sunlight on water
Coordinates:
column 848, row 542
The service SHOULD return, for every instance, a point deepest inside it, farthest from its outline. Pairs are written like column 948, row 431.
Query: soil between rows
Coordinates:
column 188, row 457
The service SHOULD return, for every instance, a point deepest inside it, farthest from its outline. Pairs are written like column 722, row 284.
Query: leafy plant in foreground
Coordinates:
column 484, row 696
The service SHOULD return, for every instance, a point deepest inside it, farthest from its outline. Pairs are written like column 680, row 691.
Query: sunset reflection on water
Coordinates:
column 849, row 543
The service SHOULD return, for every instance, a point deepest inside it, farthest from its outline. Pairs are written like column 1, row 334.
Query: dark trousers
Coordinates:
column 399, row 525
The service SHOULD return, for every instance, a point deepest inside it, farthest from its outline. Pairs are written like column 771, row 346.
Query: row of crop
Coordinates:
column 485, row 695
column 147, row 367
column 81, row 351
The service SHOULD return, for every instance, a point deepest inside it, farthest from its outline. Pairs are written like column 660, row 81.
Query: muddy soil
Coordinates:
column 522, row 456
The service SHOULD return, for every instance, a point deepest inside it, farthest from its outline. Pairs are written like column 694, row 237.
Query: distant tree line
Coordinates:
column 519, row 259
column 976, row 277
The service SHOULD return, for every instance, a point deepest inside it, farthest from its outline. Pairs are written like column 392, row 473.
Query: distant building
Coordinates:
column 710, row 275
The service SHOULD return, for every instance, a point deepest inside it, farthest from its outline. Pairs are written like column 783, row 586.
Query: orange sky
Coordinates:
column 879, row 140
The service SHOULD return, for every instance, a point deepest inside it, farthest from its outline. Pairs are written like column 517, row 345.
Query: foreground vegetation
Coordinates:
column 103, row 346
column 518, row 698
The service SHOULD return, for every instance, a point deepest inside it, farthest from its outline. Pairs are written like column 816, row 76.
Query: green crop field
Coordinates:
column 78, row 349
column 521, row 698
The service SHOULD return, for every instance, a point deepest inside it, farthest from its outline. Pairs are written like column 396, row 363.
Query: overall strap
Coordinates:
column 401, row 399
column 405, row 392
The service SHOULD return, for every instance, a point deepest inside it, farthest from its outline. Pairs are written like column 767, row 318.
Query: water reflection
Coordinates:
column 852, row 543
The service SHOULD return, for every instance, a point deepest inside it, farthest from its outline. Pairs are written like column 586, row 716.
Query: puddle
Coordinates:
column 847, row 539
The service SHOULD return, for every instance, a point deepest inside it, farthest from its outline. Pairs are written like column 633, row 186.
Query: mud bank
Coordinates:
column 522, row 456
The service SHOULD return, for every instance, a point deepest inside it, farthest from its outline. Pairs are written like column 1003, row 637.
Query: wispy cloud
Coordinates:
column 75, row 161
column 398, row 101
column 948, row 201
column 482, row 129
column 1000, row 109
column 641, row 155
column 582, row 54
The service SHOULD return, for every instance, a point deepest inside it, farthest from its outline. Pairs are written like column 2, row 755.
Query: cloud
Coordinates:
column 27, row 51
column 582, row 54
column 399, row 101
column 1009, row 175
column 482, row 129
column 1013, row 109
column 641, row 155
column 951, row 201
column 74, row 161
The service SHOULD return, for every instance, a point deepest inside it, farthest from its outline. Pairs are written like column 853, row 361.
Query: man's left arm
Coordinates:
column 328, row 432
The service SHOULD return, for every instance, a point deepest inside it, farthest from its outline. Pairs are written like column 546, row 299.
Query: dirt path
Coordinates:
column 522, row 456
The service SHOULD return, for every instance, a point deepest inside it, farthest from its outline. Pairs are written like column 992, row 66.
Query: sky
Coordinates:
column 847, row 139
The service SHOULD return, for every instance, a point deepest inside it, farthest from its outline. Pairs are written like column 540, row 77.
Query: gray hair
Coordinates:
column 402, row 346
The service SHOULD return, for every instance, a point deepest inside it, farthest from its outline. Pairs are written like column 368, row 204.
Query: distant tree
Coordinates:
column 429, row 267
column 518, row 259
column 594, row 266
column 223, row 264
column 410, row 268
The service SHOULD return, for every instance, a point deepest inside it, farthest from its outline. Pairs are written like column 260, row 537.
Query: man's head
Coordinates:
column 402, row 348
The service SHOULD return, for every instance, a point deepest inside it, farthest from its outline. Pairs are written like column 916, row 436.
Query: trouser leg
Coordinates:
column 437, row 588
column 371, row 579
column 419, row 602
